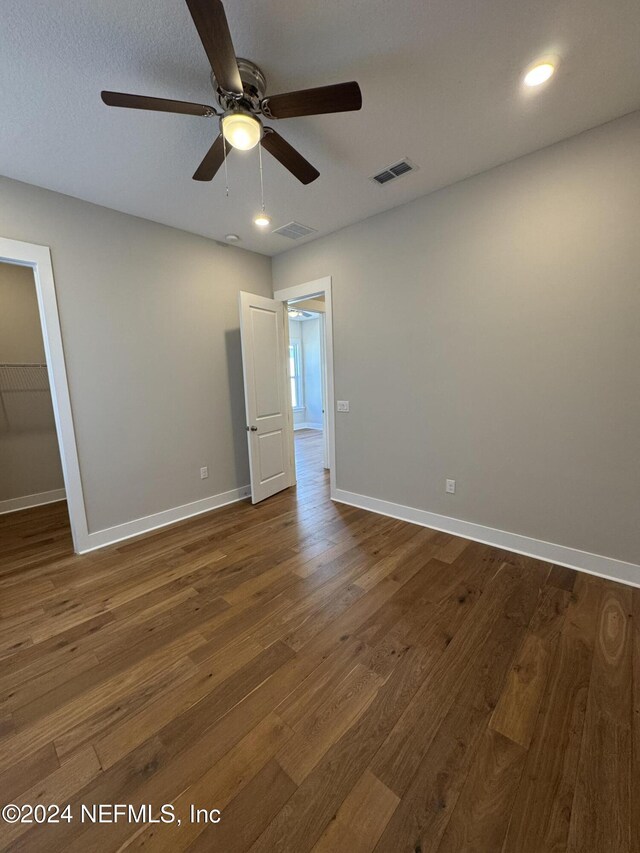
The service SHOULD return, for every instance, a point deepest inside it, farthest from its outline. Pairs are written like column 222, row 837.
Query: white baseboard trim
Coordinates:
column 583, row 561
column 111, row 535
column 308, row 425
column 26, row 502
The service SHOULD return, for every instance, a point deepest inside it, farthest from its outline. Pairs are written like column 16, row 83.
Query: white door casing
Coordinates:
column 266, row 394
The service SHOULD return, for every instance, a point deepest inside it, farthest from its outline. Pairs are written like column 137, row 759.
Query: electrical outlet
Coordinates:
column 450, row 487
column 343, row 405
column 204, row 473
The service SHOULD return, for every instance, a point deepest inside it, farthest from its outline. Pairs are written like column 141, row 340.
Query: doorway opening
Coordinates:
column 273, row 383
column 29, row 454
column 38, row 452
column 307, row 383
column 310, row 319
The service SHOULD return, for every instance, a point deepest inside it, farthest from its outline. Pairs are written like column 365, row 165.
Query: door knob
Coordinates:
column 254, row 429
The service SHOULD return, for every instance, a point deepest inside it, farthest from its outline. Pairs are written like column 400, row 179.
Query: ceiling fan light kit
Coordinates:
column 241, row 129
column 240, row 88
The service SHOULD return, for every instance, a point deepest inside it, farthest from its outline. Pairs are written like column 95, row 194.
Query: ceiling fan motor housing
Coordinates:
column 254, row 84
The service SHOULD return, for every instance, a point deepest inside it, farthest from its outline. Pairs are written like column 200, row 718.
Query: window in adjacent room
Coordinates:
column 295, row 375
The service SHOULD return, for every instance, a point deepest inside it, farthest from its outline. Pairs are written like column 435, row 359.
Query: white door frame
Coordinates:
column 39, row 259
column 319, row 287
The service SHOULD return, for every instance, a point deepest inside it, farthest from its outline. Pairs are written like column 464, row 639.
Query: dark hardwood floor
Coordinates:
column 330, row 679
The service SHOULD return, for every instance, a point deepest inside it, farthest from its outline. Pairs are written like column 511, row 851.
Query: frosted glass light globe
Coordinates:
column 241, row 130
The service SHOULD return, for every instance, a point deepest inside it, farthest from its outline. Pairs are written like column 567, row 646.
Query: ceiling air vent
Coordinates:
column 395, row 171
column 294, row 230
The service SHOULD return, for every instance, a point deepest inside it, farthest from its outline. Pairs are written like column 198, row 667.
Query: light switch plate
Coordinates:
column 343, row 405
column 204, row 473
column 450, row 487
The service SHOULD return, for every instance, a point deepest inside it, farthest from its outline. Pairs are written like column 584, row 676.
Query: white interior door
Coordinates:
column 266, row 394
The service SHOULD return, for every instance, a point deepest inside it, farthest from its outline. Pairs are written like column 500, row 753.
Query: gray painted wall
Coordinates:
column 150, row 328
column 490, row 332
column 29, row 454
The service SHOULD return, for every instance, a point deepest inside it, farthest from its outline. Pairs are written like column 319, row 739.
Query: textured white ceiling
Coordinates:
column 440, row 82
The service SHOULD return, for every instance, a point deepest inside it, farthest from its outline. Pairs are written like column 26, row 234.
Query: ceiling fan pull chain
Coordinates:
column 226, row 174
column 261, row 179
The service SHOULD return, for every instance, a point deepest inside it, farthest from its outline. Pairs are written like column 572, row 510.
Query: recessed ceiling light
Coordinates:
column 539, row 73
column 262, row 220
column 232, row 238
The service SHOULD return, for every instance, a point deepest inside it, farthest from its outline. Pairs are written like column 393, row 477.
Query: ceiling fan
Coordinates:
column 240, row 88
column 297, row 314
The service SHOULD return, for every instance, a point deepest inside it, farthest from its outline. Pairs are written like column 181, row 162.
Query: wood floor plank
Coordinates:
column 249, row 812
column 597, row 822
column 562, row 578
column 360, row 820
column 216, row 788
column 134, row 729
column 214, row 705
column 517, row 710
column 318, row 731
column 24, row 774
column 298, row 827
column 305, row 698
column 59, row 723
column 480, row 818
column 542, row 809
column 41, row 658
column 445, row 745
column 35, row 688
column 400, row 756
column 635, row 725
column 58, row 787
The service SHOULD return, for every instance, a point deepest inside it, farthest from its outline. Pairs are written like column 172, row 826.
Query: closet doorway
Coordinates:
column 29, row 453
column 39, row 469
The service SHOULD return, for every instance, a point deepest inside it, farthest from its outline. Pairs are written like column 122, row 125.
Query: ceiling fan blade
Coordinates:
column 142, row 102
column 340, row 98
column 288, row 156
column 213, row 159
column 211, row 22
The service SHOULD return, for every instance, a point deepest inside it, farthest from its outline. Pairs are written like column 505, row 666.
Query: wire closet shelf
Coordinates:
column 23, row 377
